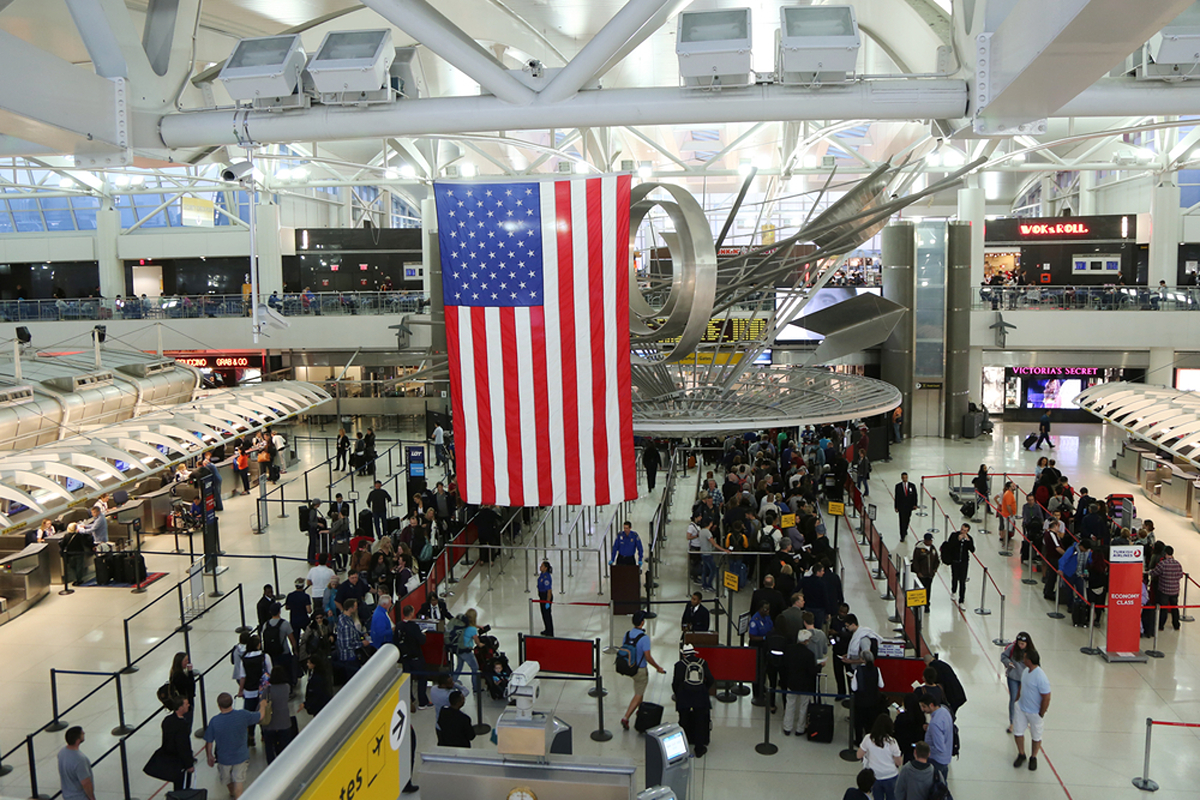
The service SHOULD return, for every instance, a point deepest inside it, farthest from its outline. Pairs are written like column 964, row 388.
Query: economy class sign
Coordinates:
column 374, row 762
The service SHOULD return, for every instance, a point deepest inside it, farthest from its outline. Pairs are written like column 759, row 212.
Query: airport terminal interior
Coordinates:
column 548, row 239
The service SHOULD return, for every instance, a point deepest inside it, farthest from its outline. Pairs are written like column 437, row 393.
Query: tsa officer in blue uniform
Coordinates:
column 627, row 549
column 545, row 590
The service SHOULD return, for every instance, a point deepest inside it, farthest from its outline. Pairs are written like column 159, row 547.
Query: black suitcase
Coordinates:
column 274, row 474
column 968, row 509
column 1079, row 615
column 117, row 567
column 391, row 525
column 649, row 715
column 365, row 519
column 1024, row 550
column 135, row 568
column 1029, row 440
column 188, row 794
column 820, row 723
column 104, row 575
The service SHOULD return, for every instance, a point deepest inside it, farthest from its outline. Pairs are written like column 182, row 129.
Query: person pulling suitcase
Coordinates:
column 635, row 653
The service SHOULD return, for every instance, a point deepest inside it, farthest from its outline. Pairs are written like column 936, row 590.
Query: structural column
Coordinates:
column 1087, row 193
column 112, row 269
column 959, row 246
column 1162, row 366
column 972, row 205
column 898, row 251
column 1164, row 237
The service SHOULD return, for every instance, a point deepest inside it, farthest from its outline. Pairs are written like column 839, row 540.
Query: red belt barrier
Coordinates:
column 734, row 664
column 566, row 656
column 1176, row 724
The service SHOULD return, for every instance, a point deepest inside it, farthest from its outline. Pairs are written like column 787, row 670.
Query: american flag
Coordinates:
column 535, row 280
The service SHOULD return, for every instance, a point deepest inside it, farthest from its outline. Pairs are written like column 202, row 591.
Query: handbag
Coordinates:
column 264, row 711
column 264, row 457
column 161, row 766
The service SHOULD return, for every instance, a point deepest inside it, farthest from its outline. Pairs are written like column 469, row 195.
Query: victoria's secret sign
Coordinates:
column 1056, row 372
column 1110, row 227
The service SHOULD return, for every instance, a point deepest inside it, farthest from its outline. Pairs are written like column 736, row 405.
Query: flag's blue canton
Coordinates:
column 491, row 244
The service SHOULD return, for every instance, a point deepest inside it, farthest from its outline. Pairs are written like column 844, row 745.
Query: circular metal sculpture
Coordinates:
column 689, row 303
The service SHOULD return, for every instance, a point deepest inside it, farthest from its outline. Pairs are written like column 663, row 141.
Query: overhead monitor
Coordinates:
column 264, row 66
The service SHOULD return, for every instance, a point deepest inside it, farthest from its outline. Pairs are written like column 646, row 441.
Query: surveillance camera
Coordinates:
column 536, row 68
column 525, row 674
column 236, row 171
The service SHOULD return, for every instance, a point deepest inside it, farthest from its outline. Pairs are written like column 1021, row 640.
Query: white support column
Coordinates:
column 1047, row 202
column 270, row 253
column 975, row 370
column 1164, row 238
column 1161, row 371
column 971, row 206
column 1087, row 193
column 347, row 207
column 112, row 269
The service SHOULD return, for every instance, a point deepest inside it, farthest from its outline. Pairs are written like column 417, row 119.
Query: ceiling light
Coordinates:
column 581, row 168
column 408, row 171
column 66, row 182
column 714, row 47
column 817, row 43
column 1144, row 154
column 121, row 179
column 933, row 158
column 468, row 170
column 809, row 160
column 136, row 180
column 1018, row 158
column 744, row 167
column 299, row 173
column 283, row 174
column 644, row 170
column 953, row 158
column 264, row 67
column 352, row 63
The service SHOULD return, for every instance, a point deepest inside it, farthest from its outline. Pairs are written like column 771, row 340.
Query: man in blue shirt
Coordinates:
column 627, row 549
column 1033, row 700
column 381, row 623
column 939, row 734
column 97, row 526
column 227, row 730
column 638, row 637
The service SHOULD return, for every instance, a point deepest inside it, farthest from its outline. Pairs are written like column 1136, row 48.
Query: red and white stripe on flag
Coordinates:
column 541, row 394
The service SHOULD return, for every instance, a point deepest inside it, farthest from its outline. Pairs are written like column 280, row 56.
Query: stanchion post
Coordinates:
column 851, row 751
column 5, row 769
column 33, row 781
column 601, row 734
column 216, row 590
column 481, row 727
column 530, row 604
column 66, row 589
column 983, row 610
column 243, row 628
column 203, row 706
column 1000, row 640
column 56, row 724
column 275, row 572
column 765, row 748
column 122, row 729
column 1091, row 649
column 1143, row 782
column 1030, row 581
column 124, row 769
column 1058, row 582
column 1184, row 616
column 921, row 508
column 1154, row 652
column 129, row 667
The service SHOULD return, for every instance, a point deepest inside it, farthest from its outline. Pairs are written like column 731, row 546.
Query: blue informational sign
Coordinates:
column 416, row 461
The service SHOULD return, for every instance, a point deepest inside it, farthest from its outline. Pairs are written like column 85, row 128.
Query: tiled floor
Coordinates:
column 1095, row 727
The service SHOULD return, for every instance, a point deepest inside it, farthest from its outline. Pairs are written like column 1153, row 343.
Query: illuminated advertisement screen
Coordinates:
column 1052, row 392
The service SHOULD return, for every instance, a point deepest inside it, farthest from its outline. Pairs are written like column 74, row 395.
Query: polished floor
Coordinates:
column 1095, row 730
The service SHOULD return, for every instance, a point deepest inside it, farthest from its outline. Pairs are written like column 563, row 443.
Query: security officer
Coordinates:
column 627, row 544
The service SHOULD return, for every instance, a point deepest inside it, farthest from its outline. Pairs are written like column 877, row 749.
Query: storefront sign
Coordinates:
column 217, row 360
column 1056, row 372
column 1124, row 599
column 1109, row 227
column 1053, row 229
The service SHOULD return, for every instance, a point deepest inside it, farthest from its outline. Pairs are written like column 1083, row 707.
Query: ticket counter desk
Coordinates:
column 1128, row 463
column 1168, row 485
column 24, row 580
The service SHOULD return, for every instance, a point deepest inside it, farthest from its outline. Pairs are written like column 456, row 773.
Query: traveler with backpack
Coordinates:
column 925, row 564
column 917, row 778
column 799, row 674
column 632, row 659
column 254, row 666
column 463, row 634
column 866, row 686
column 279, row 642
column 691, row 683
column 939, row 734
column 956, row 551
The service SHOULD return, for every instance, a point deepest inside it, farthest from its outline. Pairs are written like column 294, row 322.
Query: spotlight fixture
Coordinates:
column 23, row 335
column 714, row 48
column 264, row 68
column 817, row 44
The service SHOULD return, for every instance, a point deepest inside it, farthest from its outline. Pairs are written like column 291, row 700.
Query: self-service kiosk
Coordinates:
column 668, row 759
column 657, row 793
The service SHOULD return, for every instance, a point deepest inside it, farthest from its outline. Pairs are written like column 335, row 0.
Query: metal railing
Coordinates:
column 1096, row 297
column 212, row 305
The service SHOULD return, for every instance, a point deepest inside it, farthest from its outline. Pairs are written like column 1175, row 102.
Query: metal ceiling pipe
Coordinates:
column 431, row 28
column 629, row 26
column 1129, row 97
column 876, row 99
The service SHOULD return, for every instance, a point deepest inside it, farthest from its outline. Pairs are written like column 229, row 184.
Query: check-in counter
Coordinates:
column 1168, row 485
column 1196, row 504
column 24, row 580
column 1128, row 463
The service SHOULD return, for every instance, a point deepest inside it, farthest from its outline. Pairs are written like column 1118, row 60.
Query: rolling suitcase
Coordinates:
column 274, row 474
column 391, row 525
column 649, row 715
column 365, row 519
column 116, row 567
column 820, row 723
column 1029, row 440
column 1079, row 615
column 135, row 568
column 188, row 794
column 104, row 570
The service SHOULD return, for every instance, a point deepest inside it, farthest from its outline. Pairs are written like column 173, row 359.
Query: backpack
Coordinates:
column 939, row 790
column 693, row 672
column 426, row 553
column 949, row 552
column 272, row 639
column 627, row 658
column 737, row 542
column 454, row 634
column 766, row 542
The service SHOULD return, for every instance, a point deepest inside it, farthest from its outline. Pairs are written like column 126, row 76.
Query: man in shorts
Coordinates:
column 227, row 730
column 1033, row 700
column 641, row 641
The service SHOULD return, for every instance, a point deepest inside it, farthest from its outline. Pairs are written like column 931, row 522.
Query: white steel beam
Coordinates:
column 628, row 28
column 1044, row 54
column 875, row 99
column 431, row 28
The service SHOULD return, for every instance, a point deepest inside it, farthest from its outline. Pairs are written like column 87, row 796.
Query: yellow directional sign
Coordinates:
column 916, row 597
column 837, row 509
column 731, row 581
column 370, row 765
column 788, row 521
